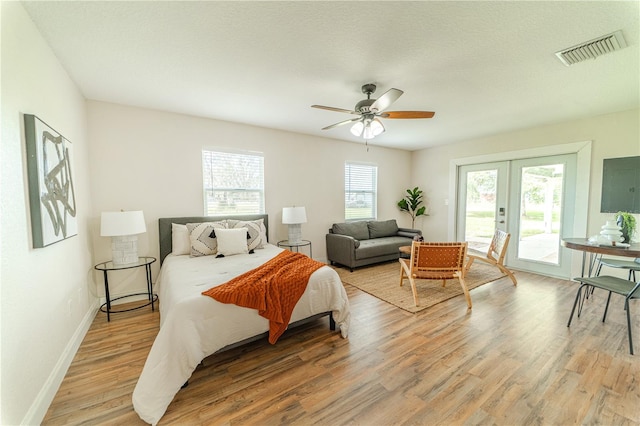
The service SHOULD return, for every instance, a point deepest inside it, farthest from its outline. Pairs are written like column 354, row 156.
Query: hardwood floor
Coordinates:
column 512, row 360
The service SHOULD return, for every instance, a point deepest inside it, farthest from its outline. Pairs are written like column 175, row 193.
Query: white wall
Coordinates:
column 611, row 135
column 40, row 332
column 151, row 160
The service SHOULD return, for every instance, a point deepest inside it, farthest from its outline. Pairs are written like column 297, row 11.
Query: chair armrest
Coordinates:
column 408, row 232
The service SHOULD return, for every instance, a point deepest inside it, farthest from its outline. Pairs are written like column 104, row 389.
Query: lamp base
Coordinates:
column 124, row 249
column 295, row 233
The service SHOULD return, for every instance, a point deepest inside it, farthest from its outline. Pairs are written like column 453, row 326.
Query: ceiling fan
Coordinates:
column 369, row 111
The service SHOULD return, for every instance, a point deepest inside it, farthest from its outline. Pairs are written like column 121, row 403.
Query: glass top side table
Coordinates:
column 105, row 267
column 295, row 246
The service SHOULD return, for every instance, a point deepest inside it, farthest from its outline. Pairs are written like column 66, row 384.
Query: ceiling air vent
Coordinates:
column 592, row 49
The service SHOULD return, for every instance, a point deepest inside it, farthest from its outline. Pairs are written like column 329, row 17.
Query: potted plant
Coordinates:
column 411, row 204
column 627, row 223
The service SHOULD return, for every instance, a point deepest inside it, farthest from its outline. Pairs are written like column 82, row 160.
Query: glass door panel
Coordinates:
column 481, row 203
column 541, row 207
column 542, row 202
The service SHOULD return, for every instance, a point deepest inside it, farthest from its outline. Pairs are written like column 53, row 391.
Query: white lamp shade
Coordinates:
column 376, row 127
column 368, row 132
column 357, row 128
column 113, row 224
column 294, row 215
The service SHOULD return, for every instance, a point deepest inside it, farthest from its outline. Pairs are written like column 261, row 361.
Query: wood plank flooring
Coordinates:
column 511, row 360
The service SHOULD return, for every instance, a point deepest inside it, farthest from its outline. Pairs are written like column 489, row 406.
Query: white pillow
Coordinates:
column 180, row 242
column 256, row 229
column 232, row 241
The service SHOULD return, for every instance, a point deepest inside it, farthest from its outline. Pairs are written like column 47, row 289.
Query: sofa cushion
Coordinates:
column 382, row 228
column 357, row 230
column 381, row 247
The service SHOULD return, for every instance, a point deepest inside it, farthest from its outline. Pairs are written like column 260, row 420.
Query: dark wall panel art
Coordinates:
column 52, row 196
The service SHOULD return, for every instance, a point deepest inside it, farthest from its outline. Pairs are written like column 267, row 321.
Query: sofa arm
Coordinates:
column 341, row 249
column 408, row 232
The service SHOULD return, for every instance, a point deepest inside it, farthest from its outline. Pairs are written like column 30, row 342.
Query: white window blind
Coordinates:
column 233, row 182
column 360, row 191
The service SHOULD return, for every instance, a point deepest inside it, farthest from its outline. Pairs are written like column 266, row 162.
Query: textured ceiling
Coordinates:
column 483, row 67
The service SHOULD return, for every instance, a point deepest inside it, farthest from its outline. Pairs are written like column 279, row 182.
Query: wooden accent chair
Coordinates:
column 495, row 255
column 435, row 261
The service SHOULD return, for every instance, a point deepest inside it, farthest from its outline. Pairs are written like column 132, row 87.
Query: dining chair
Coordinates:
column 435, row 261
column 631, row 265
column 495, row 254
column 626, row 288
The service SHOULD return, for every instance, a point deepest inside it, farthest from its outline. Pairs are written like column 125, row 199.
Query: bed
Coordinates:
column 194, row 326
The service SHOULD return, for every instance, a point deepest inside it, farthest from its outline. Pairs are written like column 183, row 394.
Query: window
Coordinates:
column 360, row 187
column 233, row 182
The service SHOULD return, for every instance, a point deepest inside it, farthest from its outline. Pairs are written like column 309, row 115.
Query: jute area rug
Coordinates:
column 383, row 282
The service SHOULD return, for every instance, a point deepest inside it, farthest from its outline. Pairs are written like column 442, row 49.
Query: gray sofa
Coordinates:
column 354, row 244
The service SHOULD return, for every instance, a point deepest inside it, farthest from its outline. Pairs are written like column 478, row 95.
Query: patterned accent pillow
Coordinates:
column 201, row 242
column 256, row 229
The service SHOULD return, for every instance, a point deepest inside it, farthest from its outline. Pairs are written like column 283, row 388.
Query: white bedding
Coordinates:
column 193, row 326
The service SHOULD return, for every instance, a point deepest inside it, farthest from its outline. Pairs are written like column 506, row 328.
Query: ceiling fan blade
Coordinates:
column 335, row 109
column 384, row 101
column 407, row 114
column 351, row 120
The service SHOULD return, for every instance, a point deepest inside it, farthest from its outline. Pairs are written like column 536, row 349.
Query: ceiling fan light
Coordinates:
column 376, row 127
column 367, row 124
column 368, row 132
column 357, row 128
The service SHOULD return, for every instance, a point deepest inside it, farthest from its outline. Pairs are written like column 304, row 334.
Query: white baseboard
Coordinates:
column 39, row 408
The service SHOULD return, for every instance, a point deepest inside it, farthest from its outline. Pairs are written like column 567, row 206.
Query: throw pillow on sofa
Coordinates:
column 382, row 228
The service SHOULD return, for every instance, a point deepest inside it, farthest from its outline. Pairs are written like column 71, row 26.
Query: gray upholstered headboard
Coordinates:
column 164, row 227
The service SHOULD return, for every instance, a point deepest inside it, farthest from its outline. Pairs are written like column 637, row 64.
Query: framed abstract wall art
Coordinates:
column 52, row 197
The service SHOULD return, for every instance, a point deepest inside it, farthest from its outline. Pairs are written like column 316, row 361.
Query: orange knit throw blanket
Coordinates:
column 273, row 289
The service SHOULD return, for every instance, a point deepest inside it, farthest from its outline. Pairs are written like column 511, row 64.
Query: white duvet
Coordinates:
column 193, row 326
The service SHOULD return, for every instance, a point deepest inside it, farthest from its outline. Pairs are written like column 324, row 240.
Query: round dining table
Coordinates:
column 596, row 250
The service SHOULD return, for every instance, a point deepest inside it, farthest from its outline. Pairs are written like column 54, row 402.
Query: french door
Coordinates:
column 533, row 199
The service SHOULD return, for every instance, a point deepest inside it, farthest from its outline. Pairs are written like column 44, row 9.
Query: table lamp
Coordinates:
column 294, row 217
column 123, row 228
